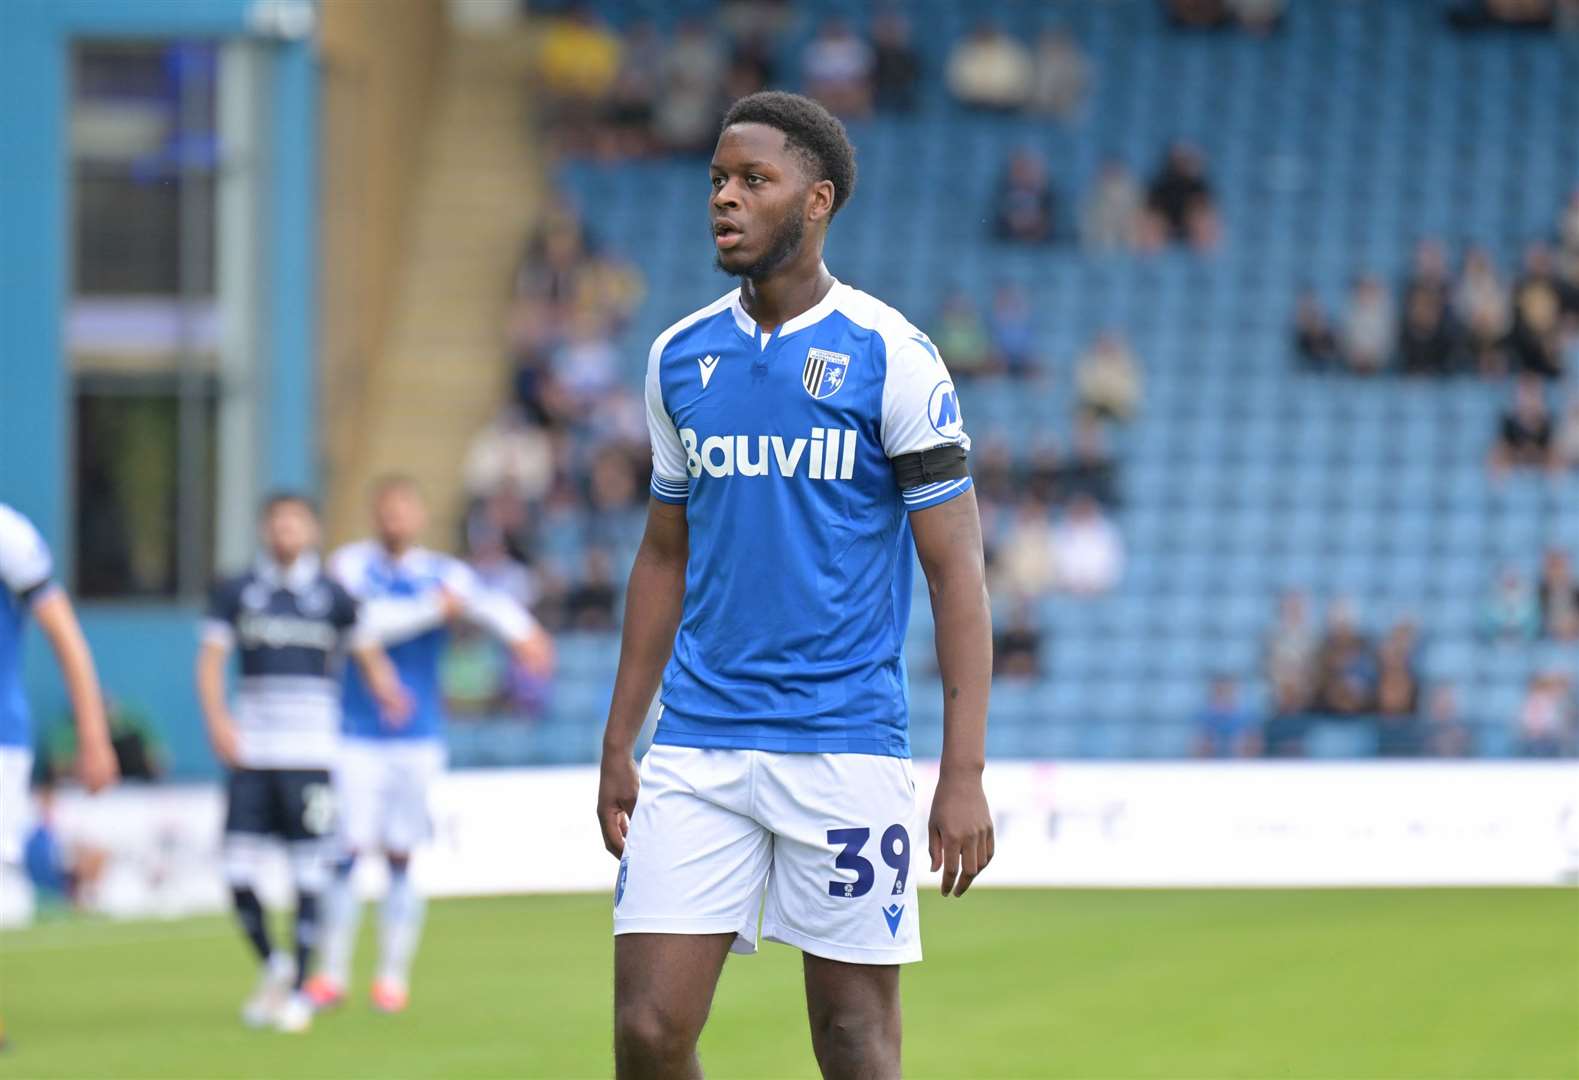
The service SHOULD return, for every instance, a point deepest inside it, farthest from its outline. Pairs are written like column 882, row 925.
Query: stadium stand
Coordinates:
column 1333, row 146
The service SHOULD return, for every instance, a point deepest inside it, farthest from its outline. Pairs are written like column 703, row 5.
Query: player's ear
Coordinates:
column 819, row 204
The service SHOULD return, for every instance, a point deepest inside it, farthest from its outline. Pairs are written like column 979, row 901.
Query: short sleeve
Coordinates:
column 670, row 481
column 25, row 564
column 219, row 623
column 343, row 611
column 921, row 411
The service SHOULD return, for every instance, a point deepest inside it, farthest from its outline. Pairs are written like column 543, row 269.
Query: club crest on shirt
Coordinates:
column 824, row 372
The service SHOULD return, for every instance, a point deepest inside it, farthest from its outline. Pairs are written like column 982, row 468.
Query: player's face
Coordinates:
column 400, row 518
column 289, row 531
column 761, row 201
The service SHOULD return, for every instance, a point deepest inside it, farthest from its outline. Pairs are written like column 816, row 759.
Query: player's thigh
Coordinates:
column 847, row 849
column 407, row 818
column 16, row 769
column 863, row 996
column 304, row 805
column 359, row 786
column 694, row 862
column 664, row 983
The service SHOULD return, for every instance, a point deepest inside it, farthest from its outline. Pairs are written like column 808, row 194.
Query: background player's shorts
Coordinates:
column 295, row 805
column 381, row 788
column 16, row 816
column 834, row 841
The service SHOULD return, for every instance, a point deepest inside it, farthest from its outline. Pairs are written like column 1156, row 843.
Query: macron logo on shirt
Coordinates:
column 828, row 455
column 708, row 364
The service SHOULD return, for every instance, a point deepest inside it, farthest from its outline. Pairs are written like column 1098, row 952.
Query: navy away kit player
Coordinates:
column 291, row 626
column 807, row 443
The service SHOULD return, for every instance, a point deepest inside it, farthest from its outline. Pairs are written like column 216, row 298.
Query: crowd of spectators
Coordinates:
column 1176, row 208
column 1341, row 673
column 1438, row 326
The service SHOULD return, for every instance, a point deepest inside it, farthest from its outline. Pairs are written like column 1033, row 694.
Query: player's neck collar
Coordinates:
column 296, row 578
column 810, row 317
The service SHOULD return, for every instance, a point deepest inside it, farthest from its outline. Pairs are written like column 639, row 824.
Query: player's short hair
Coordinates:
column 276, row 499
column 403, row 483
column 813, row 132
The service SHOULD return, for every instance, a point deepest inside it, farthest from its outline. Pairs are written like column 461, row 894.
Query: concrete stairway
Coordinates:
column 442, row 371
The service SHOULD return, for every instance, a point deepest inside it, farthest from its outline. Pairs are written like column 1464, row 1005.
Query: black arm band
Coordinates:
column 31, row 593
column 930, row 466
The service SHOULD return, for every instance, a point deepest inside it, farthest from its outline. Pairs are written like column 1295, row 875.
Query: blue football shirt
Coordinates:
column 797, row 589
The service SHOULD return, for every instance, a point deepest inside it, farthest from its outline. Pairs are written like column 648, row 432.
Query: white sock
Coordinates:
column 342, row 919
column 400, row 928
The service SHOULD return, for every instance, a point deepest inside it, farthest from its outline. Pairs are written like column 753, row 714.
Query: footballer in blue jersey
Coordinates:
column 383, row 770
column 28, row 589
column 807, row 444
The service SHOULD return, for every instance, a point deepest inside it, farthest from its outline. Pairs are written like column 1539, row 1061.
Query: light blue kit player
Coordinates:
column 807, row 442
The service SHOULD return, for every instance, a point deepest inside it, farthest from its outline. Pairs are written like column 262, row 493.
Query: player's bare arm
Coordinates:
column 96, row 765
column 394, row 702
column 948, row 540
column 652, row 615
column 211, row 659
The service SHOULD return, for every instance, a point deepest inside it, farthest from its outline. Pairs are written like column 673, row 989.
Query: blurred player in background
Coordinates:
column 387, row 766
column 27, row 585
column 290, row 623
column 802, row 433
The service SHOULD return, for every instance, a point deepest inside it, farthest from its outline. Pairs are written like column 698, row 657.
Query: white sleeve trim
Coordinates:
column 25, row 563
column 669, row 479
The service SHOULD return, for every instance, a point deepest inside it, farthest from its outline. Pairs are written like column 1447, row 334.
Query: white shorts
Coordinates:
column 833, row 840
column 381, row 792
column 16, row 812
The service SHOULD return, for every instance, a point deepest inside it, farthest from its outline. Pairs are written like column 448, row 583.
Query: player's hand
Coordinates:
column 394, row 702
column 535, row 653
column 451, row 606
column 959, row 832
column 227, row 743
column 96, row 765
column 618, row 782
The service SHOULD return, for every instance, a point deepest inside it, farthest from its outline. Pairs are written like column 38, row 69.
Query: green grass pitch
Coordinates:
column 1453, row 983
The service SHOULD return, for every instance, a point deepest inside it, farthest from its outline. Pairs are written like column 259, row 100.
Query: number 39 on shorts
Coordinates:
column 893, row 848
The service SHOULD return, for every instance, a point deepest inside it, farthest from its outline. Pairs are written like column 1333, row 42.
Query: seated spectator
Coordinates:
column 586, row 365
column 1481, row 305
column 1087, row 549
column 1512, row 612
column 1180, row 205
column 140, row 753
column 509, row 451
column 1565, row 446
column 1446, row 734
column 1044, row 473
column 1292, row 650
column 1013, row 331
column 1346, row 666
column 1110, row 216
column 1427, row 338
column 1559, row 597
column 1024, row 204
column 472, row 672
column 1547, row 717
column 961, row 335
column 1370, row 328
column 627, row 128
column 993, row 473
column 1226, row 728
column 1060, row 75
column 752, row 65
column 837, row 67
column 1524, row 438
column 1258, row 17
column 1108, row 379
column 990, row 70
column 578, row 61
column 591, row 600
column 503, row 512
column 1568, row 240
column 689, row 106
column 1091, row 470
column 1315, row 341
column 896, row 64
column 1537, row 316
column 1399, row 731
column 1017, row 648
column 489, row 557
column 1025, row 562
